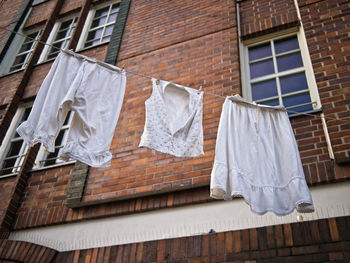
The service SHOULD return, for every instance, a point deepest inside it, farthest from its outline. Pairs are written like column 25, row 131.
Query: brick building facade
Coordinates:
column 153, row 207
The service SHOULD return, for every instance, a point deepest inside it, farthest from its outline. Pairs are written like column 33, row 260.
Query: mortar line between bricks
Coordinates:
column 311, row 3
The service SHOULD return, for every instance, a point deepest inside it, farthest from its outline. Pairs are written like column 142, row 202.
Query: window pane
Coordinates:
column 102, row 12
column 61, row 35
column 297, row 100
column 51, row 158
column 96, row 34
column 261, row 68
column 53, row 55
column 108, row 30
column 66, row 24
column 95, row 42
column 15, row 148
column 293, row 83
column 10, row 163
column 112, row 18
column 24, row 117
column 105, row 39
column 19, row 61
column 264, row 89
column 260, row 51
column 286, row 44
column 270, row 102
column 289, row 61
column 99, row 22
column 115, row 8
column 25, row 47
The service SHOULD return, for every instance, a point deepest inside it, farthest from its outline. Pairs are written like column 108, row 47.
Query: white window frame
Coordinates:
column 52, row 36
column 304, row 51
column 88, row 23
column 12, row 52
column 8, row 139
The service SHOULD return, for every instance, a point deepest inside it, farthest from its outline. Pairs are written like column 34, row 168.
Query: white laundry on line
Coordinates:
column 93, row 92
column 257, row 158
column 174, row 120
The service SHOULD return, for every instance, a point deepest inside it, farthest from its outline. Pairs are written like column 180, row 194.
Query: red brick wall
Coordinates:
column 44, row 197
column 264, row 16
column 16, row 251
column 326, row 25
column 154, row 25
column 8, row 86
column 40, row 13
column 6, row 188
column 314, row 241
column 8, row 13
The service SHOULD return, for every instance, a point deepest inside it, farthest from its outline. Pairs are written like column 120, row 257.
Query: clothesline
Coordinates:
column 150, row 77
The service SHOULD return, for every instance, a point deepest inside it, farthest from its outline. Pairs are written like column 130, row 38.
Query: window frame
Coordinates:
column 307, row 65
column 88, row 22
column 42, row 154
column 13, row 50
column 51, row 39
column 9, row 138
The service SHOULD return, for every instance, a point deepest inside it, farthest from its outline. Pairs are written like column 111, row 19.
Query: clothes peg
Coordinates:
column 157, row 81
column 123, row 67
column 200, row 89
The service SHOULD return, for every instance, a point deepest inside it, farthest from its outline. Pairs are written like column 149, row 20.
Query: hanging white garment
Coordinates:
column 94, row 92
column 174, row 120
column 257, row 158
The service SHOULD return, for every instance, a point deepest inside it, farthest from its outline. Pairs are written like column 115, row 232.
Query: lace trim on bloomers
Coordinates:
column 281, row 200
column 94, row 159
column 32, row 137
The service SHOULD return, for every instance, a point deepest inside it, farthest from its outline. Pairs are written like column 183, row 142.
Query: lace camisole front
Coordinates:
column 174, row 120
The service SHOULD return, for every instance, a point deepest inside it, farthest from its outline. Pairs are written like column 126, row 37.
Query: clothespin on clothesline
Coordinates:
column 123, row 67
column 200, row 89
column 157, row 81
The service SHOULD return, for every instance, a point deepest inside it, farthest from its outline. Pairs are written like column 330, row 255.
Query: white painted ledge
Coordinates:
column 329, row 200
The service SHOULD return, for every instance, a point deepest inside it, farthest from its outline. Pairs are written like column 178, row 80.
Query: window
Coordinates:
column 13, row 149
column 99, row 26
column 278, row 72
column 45, row 158
column 59, row 37
column 25, row 51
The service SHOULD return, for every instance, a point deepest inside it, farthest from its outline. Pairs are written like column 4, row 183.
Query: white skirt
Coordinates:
column 257, row 158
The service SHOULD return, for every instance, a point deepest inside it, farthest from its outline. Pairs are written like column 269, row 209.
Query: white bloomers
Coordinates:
column 257, row 158
column 93, row 92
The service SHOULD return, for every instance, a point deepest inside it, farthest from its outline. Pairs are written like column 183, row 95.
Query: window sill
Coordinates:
column 36, row 169
column 8, row 175
column 304, row 113
column 12, row 72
